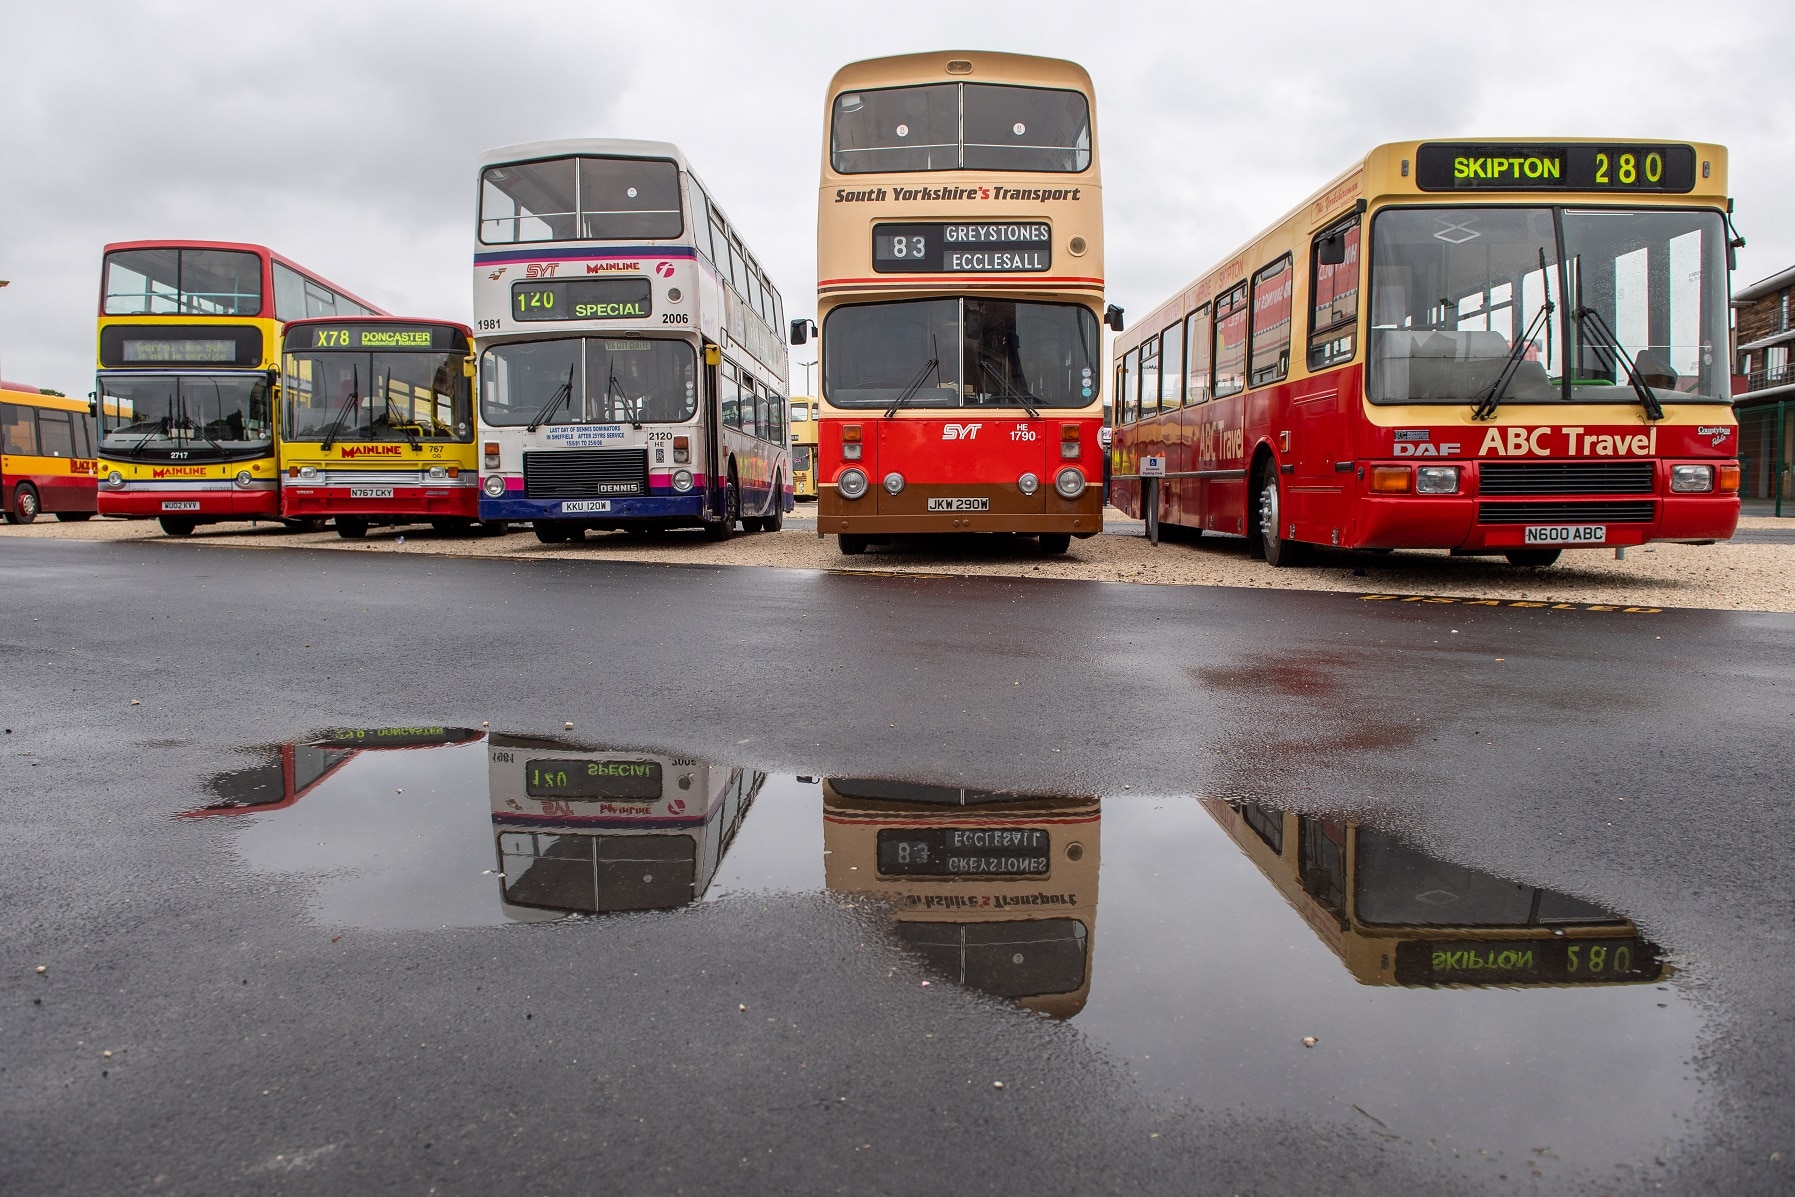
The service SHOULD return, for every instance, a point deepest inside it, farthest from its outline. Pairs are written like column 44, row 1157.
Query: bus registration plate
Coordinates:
column 959, row 504
column 180, row 504
column 1561, row 534
column 584, row 506
column 963, row 851
column 370, row 492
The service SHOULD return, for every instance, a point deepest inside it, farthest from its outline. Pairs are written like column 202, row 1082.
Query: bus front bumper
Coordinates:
column 1470, row 524
column 682, row 508
column 429, row 502
column 258, row 501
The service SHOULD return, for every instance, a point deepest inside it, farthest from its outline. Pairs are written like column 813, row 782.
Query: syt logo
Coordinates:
column 960, row 432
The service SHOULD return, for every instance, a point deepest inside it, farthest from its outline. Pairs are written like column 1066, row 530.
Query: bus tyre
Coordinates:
column 173, row 525
column 724, row 528
column 74, row 517
column 775, row 518
column 850, row 545
column 1055, row 542
column 550, row 533
column 25, row 505
column 1535, row 557
column 495, row 527
column 1277, row 551
column 350, row 528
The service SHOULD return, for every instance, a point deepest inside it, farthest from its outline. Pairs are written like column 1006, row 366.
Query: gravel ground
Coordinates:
column 1729, row 576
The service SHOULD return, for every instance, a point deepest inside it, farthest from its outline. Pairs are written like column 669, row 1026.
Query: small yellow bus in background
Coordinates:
column 804, row 448
column 46, row 456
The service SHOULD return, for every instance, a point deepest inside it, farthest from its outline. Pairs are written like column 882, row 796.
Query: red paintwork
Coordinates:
column 213, row 504
column 418, row 502
column 1308, row 426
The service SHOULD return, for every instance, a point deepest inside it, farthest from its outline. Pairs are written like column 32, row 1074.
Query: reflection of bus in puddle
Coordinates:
column 291, row 771
column 997, row 891
column 589, row 831
column 1396, row 916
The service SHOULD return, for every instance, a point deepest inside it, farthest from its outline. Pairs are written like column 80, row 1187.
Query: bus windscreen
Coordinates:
column 580, row 199
column 960, row 126
column 201, row 416
column 190, row 282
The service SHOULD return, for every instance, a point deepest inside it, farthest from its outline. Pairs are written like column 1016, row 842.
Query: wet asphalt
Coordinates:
column 782, row 1041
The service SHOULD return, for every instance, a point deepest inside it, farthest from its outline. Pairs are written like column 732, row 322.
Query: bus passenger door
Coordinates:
column 713, row 431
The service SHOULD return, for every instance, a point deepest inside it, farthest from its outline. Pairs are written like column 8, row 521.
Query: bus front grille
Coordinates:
column 585, row 473
column 1564, row 513
column 1565, row 477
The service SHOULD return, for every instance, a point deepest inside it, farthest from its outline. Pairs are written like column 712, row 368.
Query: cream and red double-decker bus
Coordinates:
column 189, row 355
column 1396, row 916
column 996, row 890
column 960, row 297
column 1506, row 348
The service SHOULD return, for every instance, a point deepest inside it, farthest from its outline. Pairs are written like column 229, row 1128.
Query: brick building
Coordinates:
column 1764, row 388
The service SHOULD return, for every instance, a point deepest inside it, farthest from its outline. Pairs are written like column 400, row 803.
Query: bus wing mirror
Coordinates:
column 1112, row 316
column 93, row 404
column 467, row 367
column 713, row 354
column 1331, row 249
column 802, row 331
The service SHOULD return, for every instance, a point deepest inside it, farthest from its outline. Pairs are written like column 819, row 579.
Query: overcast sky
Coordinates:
column 344, row 135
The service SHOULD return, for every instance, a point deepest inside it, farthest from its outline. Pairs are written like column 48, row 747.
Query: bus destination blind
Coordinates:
column 1443, row 166
column 963, row 851
column 963, row 247
column 367, row 337
column 581, row 299
column 634, row 781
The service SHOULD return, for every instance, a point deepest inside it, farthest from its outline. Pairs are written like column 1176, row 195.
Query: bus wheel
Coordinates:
column 724, row 528
column 1537, row 557
column 775, row 517
column 350, row 528
column 550, row 533
column 850, row 546
column 495, row 527
column 1055, row 542
column 1278, row 551
column 175, row 526
column 74, row 517
column 25, row 505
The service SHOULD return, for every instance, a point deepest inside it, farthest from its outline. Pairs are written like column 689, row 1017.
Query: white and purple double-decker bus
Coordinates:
column 630, row 371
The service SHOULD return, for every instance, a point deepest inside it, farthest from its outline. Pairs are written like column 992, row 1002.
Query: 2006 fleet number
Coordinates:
column 675, row 318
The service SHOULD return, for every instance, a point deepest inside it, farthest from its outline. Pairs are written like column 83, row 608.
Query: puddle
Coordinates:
column 1448, row 1008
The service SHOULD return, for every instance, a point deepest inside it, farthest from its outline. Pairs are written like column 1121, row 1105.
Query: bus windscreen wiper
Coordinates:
column 336, row 425
column 1487, row 403
column 915, row 386
column 161, row 428
column 386, row 393
column 1608, row 346
column 1009, row 390
column 613, row 387
column 562, row 394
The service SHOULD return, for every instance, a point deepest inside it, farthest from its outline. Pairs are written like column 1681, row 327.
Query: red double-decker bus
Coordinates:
column 1507, row 348
column 960, row 294
column 189, row 355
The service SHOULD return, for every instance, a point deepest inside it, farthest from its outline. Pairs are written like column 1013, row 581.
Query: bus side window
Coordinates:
column 1196, row 362
column 776, row 413
column 1171, row 367
column 699, row 205
column 289, row 293
column 1229, row 358
column 1148, row 400
column 1321, row 862
column 751, row 400
column 89, row 435
column 732, row 396
column 1269, row 334
column 719, row 244
column 18, row 429
column 1128, row 400
column 1334, row 295
column 56, row 434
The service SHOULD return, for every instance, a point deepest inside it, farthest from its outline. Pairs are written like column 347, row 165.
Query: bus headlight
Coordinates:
column 894, row 483
column 851, row 484
column 115, row 480
column 308, row 473
column 439, row 473
column 1692, row 479
column 1436, row 480
column 1028, row 484
column 682, row 479
column 1069, row 482
column 244, row 478
column 494, row 486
